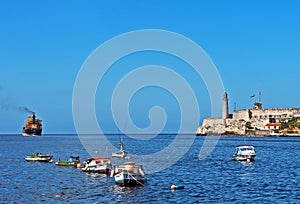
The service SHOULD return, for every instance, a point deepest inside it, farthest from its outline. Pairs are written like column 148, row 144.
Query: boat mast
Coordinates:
column 106, row 150
column 121, row 144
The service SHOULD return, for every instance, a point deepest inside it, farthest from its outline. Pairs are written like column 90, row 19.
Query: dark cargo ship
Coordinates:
column 33, row 126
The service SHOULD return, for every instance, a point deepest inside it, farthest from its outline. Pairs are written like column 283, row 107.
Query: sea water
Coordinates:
column 274, row 176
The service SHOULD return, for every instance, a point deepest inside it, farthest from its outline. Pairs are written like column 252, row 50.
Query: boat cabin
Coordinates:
column 73, row 159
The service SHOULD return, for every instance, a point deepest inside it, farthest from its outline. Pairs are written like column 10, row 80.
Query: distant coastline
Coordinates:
column 257, row 122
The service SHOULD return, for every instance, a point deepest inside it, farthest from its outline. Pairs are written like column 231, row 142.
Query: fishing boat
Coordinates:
column 33, row 126
column 122, row 153
column 129, row 174
column 39, row 157
column 100, row 165
column 244, row 153
column 72, row 161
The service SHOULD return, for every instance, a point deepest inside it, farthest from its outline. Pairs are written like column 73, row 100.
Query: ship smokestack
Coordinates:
column 33, row 117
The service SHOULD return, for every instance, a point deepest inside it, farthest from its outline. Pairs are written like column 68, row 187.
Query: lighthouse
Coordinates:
column 225, row 106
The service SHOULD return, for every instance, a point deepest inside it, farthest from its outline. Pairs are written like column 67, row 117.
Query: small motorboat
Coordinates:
column 72, row 161
column 100, row 165
column 129, row 174
column 244, row 153
column 39, row 157
column 122, row 153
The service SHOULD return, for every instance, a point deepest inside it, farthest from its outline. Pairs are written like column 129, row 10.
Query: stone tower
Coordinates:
column 257, row 106
column 225, row 106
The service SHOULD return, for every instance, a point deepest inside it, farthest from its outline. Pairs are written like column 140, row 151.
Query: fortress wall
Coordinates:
column 260, row 124
column 212, row 122
column 235, row 127
column 212, row 126
column 278, row 114
column 241, row 115
column 265, row 114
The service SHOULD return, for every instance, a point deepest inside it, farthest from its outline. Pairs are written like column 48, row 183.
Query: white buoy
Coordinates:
column 176, row 187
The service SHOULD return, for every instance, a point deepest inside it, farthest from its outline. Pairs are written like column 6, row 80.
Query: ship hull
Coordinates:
column 126, row 179
column 32, row 132
column 39, row 157
column 72, row 164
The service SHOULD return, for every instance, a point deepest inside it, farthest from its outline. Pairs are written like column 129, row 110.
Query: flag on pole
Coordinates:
column 252, row 96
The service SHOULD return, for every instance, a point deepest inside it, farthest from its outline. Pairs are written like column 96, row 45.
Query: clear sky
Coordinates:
column 254, row 44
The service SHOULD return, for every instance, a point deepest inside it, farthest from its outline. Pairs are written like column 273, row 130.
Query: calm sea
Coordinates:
column 273, row 178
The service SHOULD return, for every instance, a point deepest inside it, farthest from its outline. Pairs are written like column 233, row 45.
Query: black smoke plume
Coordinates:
column 13, row 107
column 5, row 104
column 25, row 109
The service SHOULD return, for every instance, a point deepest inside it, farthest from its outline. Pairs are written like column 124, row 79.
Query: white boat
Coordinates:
column 244, row 153
column 122, row 153
column 100, row 165
column 39, row 157
column 129, row 174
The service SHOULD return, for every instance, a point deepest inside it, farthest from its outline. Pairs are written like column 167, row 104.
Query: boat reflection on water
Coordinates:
column 127, row 192
column 247, row 163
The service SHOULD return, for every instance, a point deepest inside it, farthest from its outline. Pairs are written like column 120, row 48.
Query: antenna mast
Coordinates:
column 259, row 99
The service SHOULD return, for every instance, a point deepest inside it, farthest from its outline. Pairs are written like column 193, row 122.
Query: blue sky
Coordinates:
column 255, row 46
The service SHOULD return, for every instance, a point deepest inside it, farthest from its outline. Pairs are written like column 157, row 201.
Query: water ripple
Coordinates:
column 272, row 178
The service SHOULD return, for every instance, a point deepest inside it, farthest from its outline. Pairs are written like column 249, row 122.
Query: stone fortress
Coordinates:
column 255, row 121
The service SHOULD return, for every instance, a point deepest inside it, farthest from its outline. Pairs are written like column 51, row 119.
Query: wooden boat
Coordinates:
column 129, row 174
column 100, row 165
column 122, row 153
column 244, row 153
column 72, row 161
column 39, row 157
